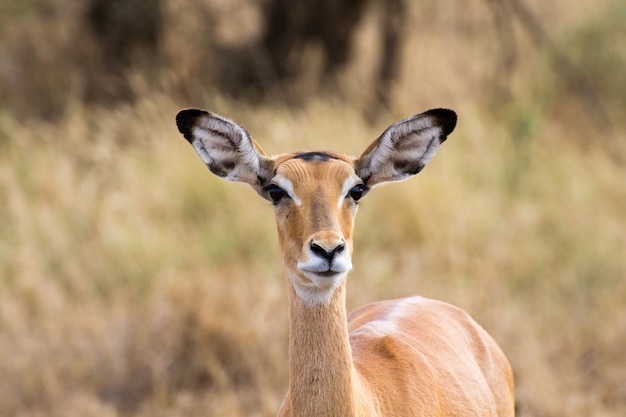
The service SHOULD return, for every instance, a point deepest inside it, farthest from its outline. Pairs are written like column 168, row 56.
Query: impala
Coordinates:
column 407, row 357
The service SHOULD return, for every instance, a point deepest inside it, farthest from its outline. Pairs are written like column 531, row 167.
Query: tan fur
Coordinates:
column 406, row 357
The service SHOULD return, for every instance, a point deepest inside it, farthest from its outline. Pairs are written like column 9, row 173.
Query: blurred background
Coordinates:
column 135, row 283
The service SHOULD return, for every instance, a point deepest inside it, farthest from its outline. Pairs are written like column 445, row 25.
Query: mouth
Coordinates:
column 325, row 274
column 323, row 278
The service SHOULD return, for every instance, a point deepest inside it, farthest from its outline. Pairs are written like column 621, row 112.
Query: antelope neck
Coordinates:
column 321, row 374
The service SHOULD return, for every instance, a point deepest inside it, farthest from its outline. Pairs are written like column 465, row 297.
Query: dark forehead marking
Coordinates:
column 314, row 156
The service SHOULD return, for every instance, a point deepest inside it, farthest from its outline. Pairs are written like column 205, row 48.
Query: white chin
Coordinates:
column 318, row 287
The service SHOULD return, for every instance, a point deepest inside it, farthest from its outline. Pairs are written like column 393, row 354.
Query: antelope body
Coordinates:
column 406, row 357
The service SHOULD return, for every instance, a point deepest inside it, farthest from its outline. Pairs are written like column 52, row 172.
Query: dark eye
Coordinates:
column 275, row 193
column 357, row 191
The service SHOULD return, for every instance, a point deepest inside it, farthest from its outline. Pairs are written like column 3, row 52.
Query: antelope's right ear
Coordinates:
column 225, row 147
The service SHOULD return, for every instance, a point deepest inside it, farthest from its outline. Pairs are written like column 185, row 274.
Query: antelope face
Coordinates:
column 315, row 194
column 315, row 197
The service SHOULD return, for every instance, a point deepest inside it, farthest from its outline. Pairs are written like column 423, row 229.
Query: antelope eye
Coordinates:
column 275, row 193
column 357, row 191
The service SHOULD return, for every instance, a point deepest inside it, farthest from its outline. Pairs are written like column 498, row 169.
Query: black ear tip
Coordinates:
column 446, row 118
column 186, row 119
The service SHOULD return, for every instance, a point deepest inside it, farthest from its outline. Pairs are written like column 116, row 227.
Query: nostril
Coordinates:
column 339, row 248
column 320, row 250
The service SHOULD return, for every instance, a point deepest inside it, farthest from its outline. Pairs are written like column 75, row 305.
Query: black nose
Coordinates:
column 327, row 253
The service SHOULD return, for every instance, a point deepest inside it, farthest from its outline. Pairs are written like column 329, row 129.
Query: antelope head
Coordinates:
column 315, row 195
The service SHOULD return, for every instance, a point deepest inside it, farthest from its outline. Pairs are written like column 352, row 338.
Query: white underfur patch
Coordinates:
column 385, row 325
column 311, row 292
column 287, row 185
column 381, row 327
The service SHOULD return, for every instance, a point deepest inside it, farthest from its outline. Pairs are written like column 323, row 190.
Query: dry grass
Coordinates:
column 134, row 283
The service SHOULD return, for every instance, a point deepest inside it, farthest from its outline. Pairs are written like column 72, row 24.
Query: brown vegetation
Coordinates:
column 134, row 283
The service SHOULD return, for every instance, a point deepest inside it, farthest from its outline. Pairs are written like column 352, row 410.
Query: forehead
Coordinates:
column 306, row 167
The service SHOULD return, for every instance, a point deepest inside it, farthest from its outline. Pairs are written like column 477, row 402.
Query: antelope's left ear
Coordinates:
column 405, row 147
